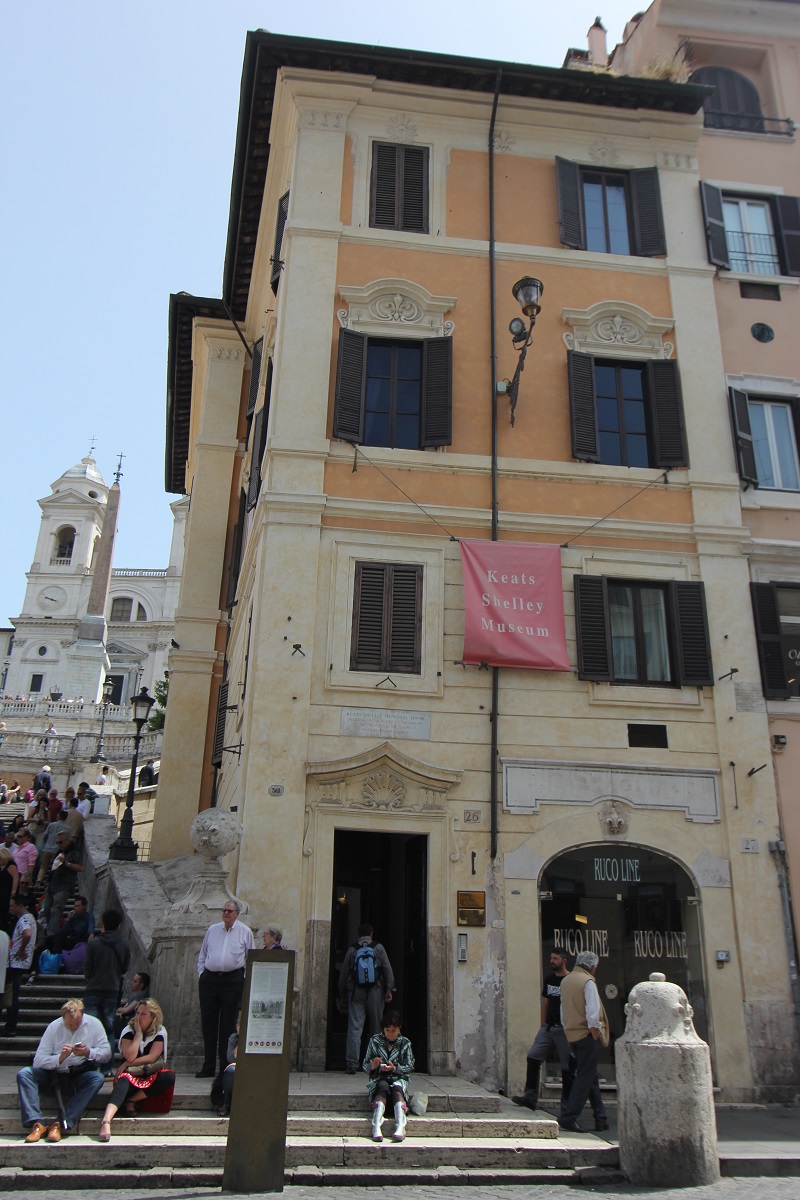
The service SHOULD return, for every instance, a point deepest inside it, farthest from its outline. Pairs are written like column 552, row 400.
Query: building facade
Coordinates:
column 384, row 204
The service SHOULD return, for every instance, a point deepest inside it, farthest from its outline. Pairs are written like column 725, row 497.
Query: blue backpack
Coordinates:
column 365, row 965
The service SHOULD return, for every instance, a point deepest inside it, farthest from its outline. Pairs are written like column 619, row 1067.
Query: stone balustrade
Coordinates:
column 53, row 709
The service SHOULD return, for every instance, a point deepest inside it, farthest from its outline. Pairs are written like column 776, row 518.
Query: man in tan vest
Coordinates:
column 582, row 1016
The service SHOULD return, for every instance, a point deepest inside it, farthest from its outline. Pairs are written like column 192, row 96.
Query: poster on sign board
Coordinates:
column 513, row 605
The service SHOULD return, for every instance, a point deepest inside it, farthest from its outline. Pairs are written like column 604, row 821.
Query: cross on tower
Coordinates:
column 118, row 472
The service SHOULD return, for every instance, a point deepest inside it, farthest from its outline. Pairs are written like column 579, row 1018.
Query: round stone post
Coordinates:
column 667, row 1126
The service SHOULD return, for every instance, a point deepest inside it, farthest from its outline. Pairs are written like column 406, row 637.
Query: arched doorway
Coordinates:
column 638, row 910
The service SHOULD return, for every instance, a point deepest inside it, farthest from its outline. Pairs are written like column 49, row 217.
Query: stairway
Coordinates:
column 468, row 1136
column 40, row 1003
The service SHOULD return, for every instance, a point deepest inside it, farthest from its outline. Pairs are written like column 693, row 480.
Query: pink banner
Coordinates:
column 513, row 605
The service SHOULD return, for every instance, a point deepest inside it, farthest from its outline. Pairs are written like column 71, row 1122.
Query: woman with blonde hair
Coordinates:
column 143, row 1044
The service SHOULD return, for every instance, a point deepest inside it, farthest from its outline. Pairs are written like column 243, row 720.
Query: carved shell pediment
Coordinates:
column 384, row 780
column 619, row 328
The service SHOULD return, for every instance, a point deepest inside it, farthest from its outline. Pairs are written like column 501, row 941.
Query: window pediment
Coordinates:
column 386, row 306
column 618, row 328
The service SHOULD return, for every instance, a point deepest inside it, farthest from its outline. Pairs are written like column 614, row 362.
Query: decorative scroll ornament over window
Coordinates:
column 387, row 305
column 619, row 329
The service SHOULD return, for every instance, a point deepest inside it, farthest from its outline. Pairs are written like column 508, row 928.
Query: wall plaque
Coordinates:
column 472, row 909
column 385, row 723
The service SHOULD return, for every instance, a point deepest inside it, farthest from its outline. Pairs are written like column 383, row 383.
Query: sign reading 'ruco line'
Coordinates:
column 513, row 605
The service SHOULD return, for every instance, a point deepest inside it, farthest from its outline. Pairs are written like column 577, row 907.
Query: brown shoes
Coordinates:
column 54, row 1133
column 37, row 1131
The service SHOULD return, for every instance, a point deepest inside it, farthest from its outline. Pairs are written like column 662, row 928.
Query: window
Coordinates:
column 394, row 393
column 642, row 632
column 276, row 261
column 776, row 610
column 65, row 543
column 36, row 683
column 235, row 560
column 387, row 625
column 218, row 744
column 626, row 413
column 614, row 212
column 734, row 104
column 759, row 235
column 398, row 196
column 141, row 612
column 258, row 443
column 765, row 438
column 121, row 608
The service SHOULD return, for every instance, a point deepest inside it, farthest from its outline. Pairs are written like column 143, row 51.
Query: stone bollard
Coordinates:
column 667, row 1125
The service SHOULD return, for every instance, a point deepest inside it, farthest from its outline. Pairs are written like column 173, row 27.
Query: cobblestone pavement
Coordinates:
column 726, row 1189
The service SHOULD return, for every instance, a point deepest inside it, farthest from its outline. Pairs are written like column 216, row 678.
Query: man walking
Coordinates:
column 60, row 882
column 20, row 958
column 366, row 982
column 551, row 1038
column 67, row 1061
column 583, row 1017
column 220, row 971
column 108, row 956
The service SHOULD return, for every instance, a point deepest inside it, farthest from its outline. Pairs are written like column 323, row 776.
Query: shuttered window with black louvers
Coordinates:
column 219, row 726
column 785, row 214
column 690, row 633
column 592, row 627
column 714, row 222
column 399, row 188
column 766, row 615
column 743, row 437
column 648, row 222
column 236, row 551
column 666, row 408
column 255, row 377
column 646, row 233
column 387, row 610
column 280, row 225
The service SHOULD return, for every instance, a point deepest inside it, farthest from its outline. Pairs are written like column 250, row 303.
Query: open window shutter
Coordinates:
column 582, row 407
column 369, row 602
column 255, row 377
column 404, row 621
column 570, row 204
column 254, row 484
column 280, row 225
column 219, row 727
column 690, row 631
column 713, row 217
column 437, row 391
column 384, row 190
column 768, row 636
column 351, row 370
column 236, row 552
column 788, row 211
column 743, row 437
column 664, row 394
column 414, row 189
column 648, row 221
column 592, row 628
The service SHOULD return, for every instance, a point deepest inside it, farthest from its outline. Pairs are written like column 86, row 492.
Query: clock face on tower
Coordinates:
column 51, row 598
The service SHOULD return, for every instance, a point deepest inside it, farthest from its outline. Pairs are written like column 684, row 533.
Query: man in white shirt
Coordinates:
column 220, row 970
column 70, row 1057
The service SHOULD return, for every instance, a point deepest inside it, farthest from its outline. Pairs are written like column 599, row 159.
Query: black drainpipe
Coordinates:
column 493, row 312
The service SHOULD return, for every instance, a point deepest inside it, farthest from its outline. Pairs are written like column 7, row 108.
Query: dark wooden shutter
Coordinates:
column 437, row 391
column 666, row 407
column 582, row 407
column 713, row 216
column 255, row 377
column 254, row 483
column 570, row 204
column 236, row 551
column 405, row 626
column 219, row 726
column 743, row 437
column 384, row 187
column 280, row 225
column 351, row 373
column 369, row 602
column 592, row 628
column 648, row 220
column 768, row 637
column 788, row 213
column 687, row 602
column 414, row 189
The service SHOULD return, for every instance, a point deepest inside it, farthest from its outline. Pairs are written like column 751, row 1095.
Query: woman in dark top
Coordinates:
column 143, row 1045
column 9, row 885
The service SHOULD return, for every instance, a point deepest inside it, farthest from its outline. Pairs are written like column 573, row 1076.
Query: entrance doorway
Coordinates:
column 638, row 911
column 382, row 878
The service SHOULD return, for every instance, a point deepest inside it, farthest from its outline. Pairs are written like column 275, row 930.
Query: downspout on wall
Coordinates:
column 493, row 320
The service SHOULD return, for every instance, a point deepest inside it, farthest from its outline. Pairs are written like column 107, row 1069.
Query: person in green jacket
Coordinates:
column 389, row 1060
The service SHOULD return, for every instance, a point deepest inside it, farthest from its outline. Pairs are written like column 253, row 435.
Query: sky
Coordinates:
column 117, row 144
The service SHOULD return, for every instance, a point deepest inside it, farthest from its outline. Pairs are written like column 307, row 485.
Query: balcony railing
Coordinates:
column 146, row 573
column 748, row 122
column 756, row 253
column 63, row 708
column 35, row 747
column 61, row 562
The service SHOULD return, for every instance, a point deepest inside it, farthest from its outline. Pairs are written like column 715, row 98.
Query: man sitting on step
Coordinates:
column 69, row 1061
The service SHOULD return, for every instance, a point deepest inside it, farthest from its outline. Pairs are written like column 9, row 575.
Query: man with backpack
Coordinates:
column 366, row 982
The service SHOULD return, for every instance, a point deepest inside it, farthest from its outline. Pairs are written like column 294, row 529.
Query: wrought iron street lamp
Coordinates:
column 528, row 292
column 125, row 849
column 99, row 754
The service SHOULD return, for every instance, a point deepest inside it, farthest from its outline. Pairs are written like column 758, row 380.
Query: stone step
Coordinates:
column 181, row 1122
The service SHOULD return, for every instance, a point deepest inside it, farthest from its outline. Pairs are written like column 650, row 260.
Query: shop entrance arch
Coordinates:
column 635, row 908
